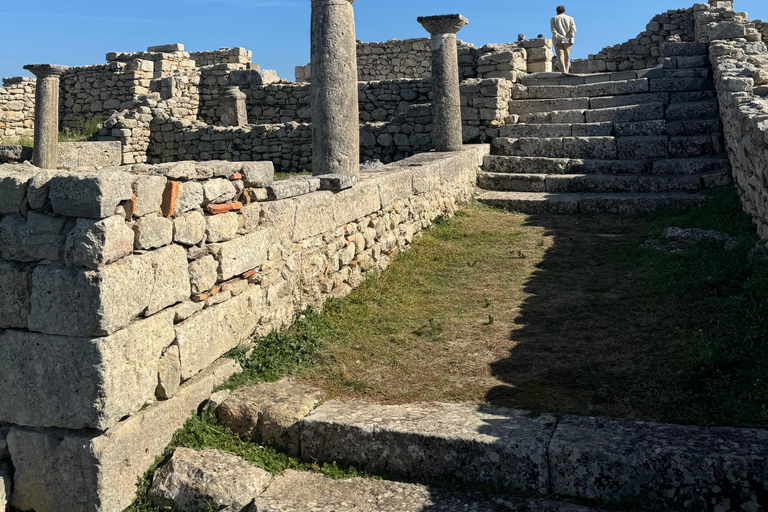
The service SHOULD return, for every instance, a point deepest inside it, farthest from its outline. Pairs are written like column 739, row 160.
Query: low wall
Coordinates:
column 123, row 290
column 740, row 62
column 398, row 127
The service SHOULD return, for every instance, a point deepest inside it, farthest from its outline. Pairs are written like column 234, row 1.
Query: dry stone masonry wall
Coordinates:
column 740, row 61
column 137, row 279
column 17, row 107
column 644, row 51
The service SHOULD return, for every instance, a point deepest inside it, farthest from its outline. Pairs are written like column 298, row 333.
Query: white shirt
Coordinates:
column 563, row 27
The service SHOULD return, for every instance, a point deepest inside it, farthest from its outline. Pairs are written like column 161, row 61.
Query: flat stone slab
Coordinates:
column 671, row 467
column 292, row 187
column 294, row 491
column 434, row 442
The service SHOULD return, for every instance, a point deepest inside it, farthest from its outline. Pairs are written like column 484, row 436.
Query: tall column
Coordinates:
column 45, row 153
column 446, row 99
column 335, row 116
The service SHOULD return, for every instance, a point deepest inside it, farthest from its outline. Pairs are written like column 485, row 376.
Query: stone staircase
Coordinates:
column 625, row 142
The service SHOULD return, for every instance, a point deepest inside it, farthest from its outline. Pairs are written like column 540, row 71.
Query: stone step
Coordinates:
column 600, row 183
column 536, row 165
column 434, row 443
column 636, row 128
column 625, row 87
column 609, row 148
column 590, row 78
column 686, row 62
column 626, row 204
column 694, row 110
column 622, row 114
column 300, row 491
column 629, row 99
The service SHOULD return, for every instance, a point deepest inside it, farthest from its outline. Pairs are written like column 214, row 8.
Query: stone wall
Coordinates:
column 393, row 125
column 644, row 51
column 123, row 288
column 740, row 61
column 235, row 55
column 17, row 107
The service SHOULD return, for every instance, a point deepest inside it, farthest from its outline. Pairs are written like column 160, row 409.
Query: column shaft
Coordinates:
column 446, row 97
column 45, row 153
column 335, row 115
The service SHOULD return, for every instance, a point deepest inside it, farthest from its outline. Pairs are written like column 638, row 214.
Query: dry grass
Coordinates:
column 550, row 313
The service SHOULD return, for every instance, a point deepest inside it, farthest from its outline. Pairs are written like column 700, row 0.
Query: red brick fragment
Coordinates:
column 249, row 274
column 236, row 176
column 130, row 207
column 216, row 209
column 170, row 194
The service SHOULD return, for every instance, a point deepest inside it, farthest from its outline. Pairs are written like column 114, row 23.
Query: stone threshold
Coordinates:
column 671, row 467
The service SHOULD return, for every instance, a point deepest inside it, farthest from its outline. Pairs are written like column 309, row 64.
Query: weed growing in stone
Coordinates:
column 19, row 140
column 85, row 130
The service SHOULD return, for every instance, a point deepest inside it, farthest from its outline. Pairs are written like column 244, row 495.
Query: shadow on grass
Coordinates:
column 613, row 329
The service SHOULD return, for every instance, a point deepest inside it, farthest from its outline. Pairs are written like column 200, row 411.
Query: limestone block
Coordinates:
column 81, row 382
column 270, row 413
column 189, row 228
column 37, row 192
column 190, row 197
column 356, row 202
column 258, row 174
column 192, row 480
column 203, row 274
column 152, row 232
column 314, row 215
column 16, row 283
column 292, row 187
column 90, row 195
column 218, row 191
column 93, row 243
column 168, row 373
column 149, row 194
column 72, row 155
column 13, row 189
column 434, row 443
column 672, row 467
column 206, row 335
column 74, row 302
column 43, row 238
column 243, row 253
column 58, row 470
column 12, row 233
column 726, row 30
column 221, row 228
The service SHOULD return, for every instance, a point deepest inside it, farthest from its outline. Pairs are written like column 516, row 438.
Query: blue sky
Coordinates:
column 81, row 32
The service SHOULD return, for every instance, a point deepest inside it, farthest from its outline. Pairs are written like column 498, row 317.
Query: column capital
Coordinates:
column 443, row 24
column 46, row 70
column 338, row 2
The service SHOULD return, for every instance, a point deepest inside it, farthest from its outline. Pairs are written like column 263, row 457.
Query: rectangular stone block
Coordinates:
column 671, row 467
column 313, row 215
column 57, row 470
column 56, row 381
column 434, row 443
column 91, row 195
column 356, row 202
column 207, row 335
column 242, row 254
column 13, row 188
column 16, row 286
column 166, row 48
column 83, row 303
column 394, row 186
column 91, row 154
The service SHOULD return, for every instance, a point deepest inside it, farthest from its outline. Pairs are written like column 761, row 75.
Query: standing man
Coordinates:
column 563, row 32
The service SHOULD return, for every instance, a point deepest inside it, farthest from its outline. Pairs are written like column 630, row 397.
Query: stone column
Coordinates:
column 46, row 113
column 335, row 116
column 446, row 100
column 232, row 107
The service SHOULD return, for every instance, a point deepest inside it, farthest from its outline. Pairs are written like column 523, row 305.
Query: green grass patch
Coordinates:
column 85, row 130
column 19, row 140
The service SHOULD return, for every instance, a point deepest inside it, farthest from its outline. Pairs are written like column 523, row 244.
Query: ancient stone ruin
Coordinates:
column 126, row 280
